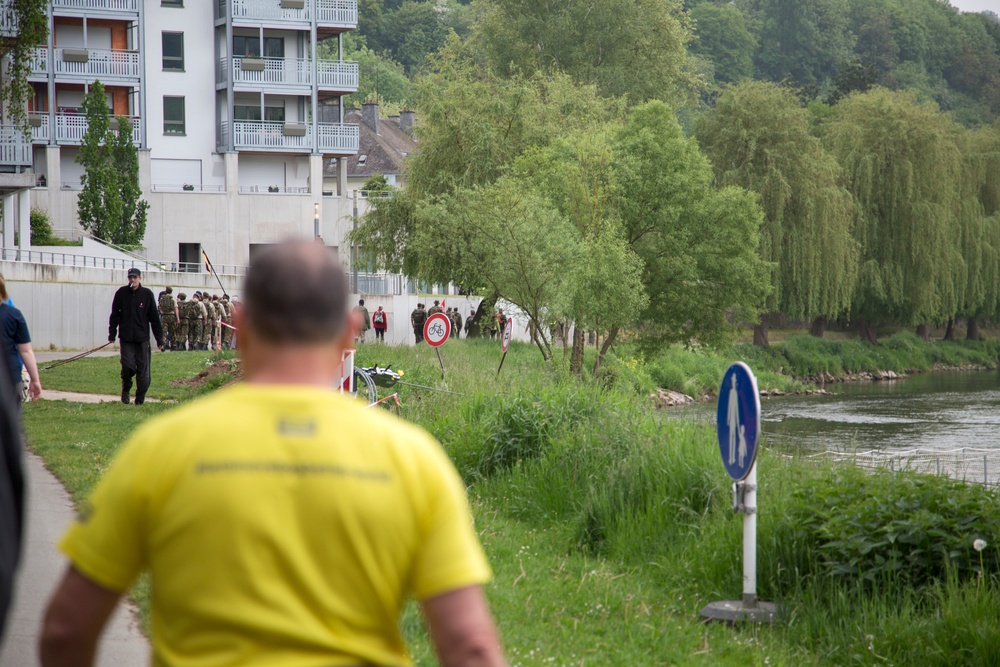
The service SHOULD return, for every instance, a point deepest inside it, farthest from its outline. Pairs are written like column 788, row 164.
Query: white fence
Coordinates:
column 980, row 466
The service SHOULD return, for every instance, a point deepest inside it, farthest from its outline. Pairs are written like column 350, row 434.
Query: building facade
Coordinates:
column 235, row 105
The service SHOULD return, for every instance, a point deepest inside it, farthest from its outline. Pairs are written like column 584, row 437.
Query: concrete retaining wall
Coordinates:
column 68, row 307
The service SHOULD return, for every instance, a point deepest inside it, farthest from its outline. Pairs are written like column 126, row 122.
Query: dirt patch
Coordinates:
column 228, row 367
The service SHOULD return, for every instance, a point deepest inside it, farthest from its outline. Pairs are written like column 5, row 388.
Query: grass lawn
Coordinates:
column 102, row 375
column 609, row 526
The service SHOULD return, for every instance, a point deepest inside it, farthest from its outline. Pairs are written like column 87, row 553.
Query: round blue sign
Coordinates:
column 738, row 420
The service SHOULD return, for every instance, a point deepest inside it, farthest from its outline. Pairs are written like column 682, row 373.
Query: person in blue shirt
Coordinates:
column 16, row 344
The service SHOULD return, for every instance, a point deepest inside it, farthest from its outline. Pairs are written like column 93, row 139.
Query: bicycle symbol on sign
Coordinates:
column 436, row 330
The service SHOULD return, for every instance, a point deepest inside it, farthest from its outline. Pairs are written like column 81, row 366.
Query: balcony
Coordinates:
column 71, row 127
column 338, row 138
column 287, row 73
column 9, row 26
column 102, row 64
column 331, row 14
column 15, row 149
column 112, row 8
column 337, row 75
column 89, row 64
column 270, row 136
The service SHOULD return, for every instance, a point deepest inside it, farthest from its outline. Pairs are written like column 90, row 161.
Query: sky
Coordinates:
column 977, row 5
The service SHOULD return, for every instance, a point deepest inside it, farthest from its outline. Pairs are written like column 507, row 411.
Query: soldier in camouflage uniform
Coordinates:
column 220, row 313
column 227, row 333
column 198, row 317
column 180, row 342
column 169, row 316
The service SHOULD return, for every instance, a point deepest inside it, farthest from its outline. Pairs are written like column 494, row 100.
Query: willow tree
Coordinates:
column 979, row 217
column 758, row 138
column 903, row 167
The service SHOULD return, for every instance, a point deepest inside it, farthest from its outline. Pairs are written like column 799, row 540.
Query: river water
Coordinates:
column 929, row 412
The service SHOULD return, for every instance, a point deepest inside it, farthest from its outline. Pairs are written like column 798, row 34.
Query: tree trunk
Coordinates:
column 949, row 332
column 760, row 332
column 608, row 341
column 972, row 333
column 818, row 327
column 576, row 360
column 867, row 331
column 924, row 331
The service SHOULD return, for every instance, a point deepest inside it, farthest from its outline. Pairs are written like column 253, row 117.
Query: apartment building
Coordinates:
column 235, row 105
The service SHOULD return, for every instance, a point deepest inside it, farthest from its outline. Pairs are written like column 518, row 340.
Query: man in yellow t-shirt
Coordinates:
column 289, row 531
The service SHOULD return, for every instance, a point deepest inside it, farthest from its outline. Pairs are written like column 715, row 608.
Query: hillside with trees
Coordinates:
column 682, row 170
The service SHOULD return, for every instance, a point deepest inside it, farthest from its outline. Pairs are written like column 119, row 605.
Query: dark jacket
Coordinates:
column 132, row 314
column 11, row 496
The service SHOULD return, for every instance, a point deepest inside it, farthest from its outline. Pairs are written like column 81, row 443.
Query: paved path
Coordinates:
column 76, row 397
column 50, row 511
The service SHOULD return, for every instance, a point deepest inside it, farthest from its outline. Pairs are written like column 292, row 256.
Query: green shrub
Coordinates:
column 876, row 529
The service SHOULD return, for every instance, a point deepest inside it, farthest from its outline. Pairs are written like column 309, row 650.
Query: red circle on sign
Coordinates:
column 437, row 328
column 507, row 331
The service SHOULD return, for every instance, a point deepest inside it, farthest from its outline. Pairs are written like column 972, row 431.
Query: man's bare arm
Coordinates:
column 74, row 620
column 462, row 629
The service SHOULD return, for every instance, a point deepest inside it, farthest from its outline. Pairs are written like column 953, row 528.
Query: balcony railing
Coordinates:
column 102, row 64
column 268, row 135
column 40, row 128
column 9, row 27
column 275, row 136
column 116, row 6
column 15, row 149
column 70, row 128
column 337, row 75
column 337, row 13
column 264, row 72
column 288, row 72
column 329, row 13
column 39, row 61
column 338, row 138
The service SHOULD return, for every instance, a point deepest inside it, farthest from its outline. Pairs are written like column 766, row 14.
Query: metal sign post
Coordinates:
column 505, row 341
column 437, row 329
column 738, row 423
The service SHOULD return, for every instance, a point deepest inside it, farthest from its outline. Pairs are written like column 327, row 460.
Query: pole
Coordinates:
column 440, row 361
column 354, row 255
column 316, row 220
column 750, row 540
column 501, row 363
column 213, row 272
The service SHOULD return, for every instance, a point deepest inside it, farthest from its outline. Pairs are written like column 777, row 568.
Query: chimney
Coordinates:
column 407, row 119
column 369, row 114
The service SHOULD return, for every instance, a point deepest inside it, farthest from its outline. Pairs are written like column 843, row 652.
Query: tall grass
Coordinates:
column 609, row 525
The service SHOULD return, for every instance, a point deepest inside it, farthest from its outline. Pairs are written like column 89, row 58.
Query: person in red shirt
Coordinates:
column 380, row 322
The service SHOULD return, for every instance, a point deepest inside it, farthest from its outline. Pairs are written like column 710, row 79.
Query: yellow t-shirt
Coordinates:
column 281, row 526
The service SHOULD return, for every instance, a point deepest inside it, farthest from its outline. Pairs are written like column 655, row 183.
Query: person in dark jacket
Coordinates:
column 11, row 494
column 133, row 313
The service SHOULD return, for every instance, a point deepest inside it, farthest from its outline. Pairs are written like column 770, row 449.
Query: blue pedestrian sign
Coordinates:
column 738, row 420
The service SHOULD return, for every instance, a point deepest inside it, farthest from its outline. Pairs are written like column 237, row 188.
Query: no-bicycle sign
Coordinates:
column 437, row 328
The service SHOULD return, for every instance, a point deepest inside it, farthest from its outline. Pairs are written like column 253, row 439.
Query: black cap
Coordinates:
column 134, row 272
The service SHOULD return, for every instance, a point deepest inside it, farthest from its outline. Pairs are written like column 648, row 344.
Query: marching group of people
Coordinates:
column 379, row 321
column 203, row 323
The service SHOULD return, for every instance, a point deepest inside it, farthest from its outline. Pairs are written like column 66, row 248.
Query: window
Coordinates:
column 173, row 115
column 173, row 51
column 275, row 114
column 189, row 255
column 171, row 3
column 274, row 47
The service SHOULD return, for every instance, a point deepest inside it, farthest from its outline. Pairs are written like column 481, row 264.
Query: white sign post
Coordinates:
column 738, row 424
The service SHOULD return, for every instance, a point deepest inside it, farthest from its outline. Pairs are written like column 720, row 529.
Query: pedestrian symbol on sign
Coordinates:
column 738, row 420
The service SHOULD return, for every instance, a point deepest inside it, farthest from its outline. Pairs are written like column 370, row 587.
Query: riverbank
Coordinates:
column 609, row 526
column 797, row 365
